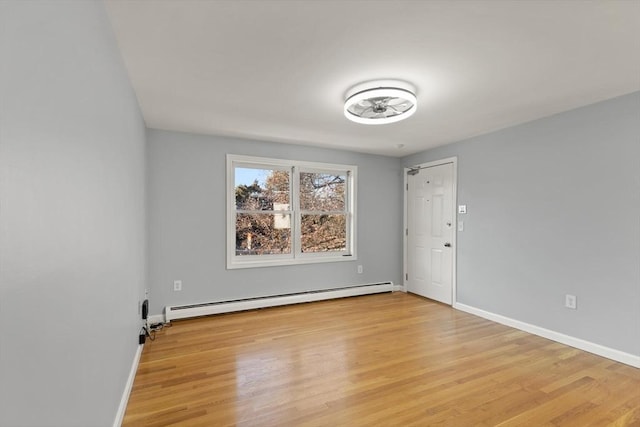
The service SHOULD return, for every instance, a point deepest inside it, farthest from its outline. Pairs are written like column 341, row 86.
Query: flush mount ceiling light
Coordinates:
column 379, row 104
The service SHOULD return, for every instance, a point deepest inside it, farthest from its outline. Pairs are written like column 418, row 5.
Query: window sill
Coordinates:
column 309, row 259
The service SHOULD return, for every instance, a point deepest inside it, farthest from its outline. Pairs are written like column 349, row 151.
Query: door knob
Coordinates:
column 447, row 245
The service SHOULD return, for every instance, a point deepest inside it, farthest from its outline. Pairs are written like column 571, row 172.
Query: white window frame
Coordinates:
column 296, row 256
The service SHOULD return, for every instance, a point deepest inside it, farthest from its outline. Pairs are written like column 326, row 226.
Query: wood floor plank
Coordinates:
column 379, row 360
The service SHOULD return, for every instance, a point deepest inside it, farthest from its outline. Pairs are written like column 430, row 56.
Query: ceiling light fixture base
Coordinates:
column 380, row 102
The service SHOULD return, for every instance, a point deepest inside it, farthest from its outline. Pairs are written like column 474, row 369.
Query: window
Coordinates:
column 283, row 212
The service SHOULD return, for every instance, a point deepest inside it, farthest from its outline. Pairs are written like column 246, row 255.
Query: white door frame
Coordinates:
column 454, row 242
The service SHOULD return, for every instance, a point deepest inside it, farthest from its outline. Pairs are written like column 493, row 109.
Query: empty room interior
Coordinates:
column 319, row 213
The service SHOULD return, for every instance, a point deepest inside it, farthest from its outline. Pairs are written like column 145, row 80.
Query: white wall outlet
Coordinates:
column 462, row 209
column 177, row 285
column 360, row 269
column 460, row 226
column 570, row 301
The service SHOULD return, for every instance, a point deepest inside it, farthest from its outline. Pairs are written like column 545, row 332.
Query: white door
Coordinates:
column 430, row 229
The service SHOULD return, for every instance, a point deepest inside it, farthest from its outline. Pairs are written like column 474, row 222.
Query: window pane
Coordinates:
column 324, row 233
column 322, row 191
column 261, row 189
column 263, row 234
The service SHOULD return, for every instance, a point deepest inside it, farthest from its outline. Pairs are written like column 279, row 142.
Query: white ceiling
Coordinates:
column 278, row 70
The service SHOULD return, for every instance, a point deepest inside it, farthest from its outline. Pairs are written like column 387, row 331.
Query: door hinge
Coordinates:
column 407, row 186
column 406, row 231
column 406, row 276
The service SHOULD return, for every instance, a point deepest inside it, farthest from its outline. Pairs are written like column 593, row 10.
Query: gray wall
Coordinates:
column 553, row 209
column 187, row 228
column 72, row 219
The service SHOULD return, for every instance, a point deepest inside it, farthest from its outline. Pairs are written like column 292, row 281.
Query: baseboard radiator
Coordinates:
column 205, row 309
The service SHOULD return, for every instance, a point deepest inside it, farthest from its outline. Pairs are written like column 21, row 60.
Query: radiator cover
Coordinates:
column 205, row 309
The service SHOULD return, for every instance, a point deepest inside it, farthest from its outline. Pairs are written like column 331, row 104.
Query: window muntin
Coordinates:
column 283, row 212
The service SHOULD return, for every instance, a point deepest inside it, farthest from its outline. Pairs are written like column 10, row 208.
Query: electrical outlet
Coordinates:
column 570, row 301
column 177, row 285
column 360, row 269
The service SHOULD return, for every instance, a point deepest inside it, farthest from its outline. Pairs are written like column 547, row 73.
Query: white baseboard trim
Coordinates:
column 127, row 389
column 207, row 308
column 600, row 350
column 160, row 318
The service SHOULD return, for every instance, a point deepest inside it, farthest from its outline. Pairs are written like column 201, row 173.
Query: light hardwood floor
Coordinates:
column 379, row 360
